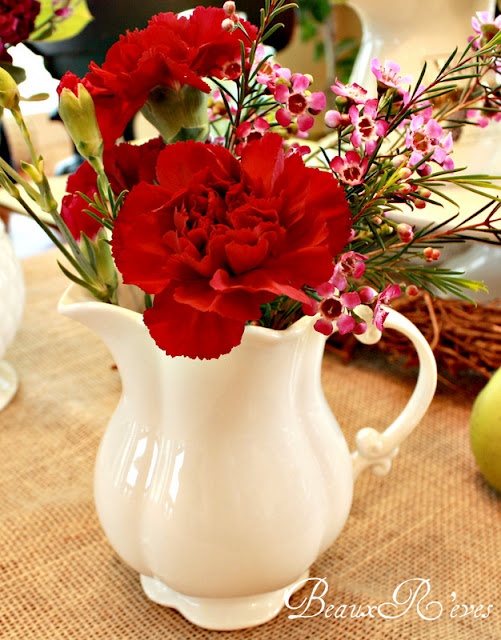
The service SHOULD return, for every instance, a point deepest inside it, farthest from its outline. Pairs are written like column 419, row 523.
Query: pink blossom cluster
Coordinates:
column 486, row 28
column 337, row 307
column 298, row 104
column 367, row 122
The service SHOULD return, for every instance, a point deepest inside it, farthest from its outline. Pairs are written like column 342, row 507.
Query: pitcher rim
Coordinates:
column 67, row 305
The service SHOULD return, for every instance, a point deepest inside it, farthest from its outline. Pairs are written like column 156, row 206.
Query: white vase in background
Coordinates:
column 418, row 31
column 428, row 31
column 11, row 312
column 221, row 481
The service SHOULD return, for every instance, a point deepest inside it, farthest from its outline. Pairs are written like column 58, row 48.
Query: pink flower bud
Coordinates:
column 367, row 294
column 332, row 119
column 424, row 170
column 227, row 24
column 405, row 232
column 229, row 7
column 431, row 254
column 425, row 193
column 399, row 161
column 404, row 173
column 404, row 189
column 412, row 290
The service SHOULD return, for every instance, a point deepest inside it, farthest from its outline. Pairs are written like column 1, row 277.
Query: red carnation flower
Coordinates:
column 217, row 238
column 126, row 165
column 17, row 21
column 73, row 206
column 171, row 52
column 129, row 164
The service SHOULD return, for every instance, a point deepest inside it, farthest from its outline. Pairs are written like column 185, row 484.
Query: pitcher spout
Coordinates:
column 122, row 331
column 108, row 321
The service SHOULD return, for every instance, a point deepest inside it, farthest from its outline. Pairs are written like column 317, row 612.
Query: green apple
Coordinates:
column 485, row 430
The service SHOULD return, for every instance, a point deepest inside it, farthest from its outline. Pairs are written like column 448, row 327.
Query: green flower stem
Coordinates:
column 393, row 262
column 18, row 117
column 11, row 180
column 75, row 257
column 10, row 172
column 271, row 10
column 106, row 194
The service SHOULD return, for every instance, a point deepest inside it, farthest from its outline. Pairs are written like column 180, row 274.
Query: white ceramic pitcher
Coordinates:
column 222, row 481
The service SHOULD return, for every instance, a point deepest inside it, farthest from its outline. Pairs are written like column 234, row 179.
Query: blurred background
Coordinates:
column 304, row 38
column 320, row 37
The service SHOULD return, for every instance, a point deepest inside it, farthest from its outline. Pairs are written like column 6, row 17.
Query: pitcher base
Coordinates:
column 221, row 614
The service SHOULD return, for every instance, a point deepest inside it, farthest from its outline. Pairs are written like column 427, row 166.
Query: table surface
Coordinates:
column 432, row 523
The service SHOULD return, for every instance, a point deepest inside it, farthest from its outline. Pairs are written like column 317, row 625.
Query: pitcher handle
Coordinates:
column 374, row 449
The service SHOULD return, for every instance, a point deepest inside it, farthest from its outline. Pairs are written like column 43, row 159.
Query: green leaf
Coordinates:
column 52, row 28
column 83, row 283
column 189, row 133
column 89, row 250
column 37, row 97
column 18, row 73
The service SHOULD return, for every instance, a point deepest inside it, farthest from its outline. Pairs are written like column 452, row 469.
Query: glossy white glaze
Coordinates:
column 222, row 481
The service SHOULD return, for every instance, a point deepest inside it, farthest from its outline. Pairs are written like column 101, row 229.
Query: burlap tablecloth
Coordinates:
column 433, row 518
